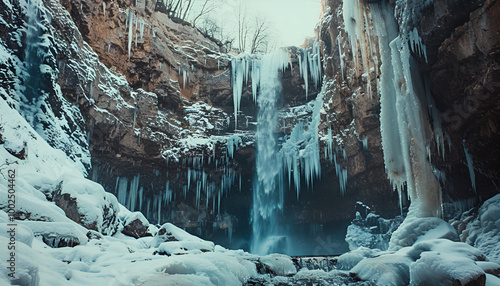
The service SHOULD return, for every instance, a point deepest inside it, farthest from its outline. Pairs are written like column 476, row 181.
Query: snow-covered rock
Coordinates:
column 416, row 229
column 86, row 203
column 484, row 231
column 279, row 264
column 350, row 259
column 430, row 262
column 385, row 269
column 58, row 234
column 439, row 268
column 135, row 225
column 371, row 231
column 173, row 240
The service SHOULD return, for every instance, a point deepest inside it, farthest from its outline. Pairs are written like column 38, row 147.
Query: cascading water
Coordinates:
column 299, row 152
column 268, row 185
column 34, row 54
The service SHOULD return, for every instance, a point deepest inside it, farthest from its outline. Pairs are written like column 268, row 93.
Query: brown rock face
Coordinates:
column 465, row 82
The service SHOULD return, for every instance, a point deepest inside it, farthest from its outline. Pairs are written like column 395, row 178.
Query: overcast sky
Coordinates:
column 291, row 21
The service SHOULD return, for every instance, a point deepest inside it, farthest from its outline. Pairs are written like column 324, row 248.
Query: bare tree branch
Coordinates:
column 260, row 35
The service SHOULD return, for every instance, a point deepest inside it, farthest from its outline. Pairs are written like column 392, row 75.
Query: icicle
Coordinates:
column 91, row 91
column 341, row 56
column 135, row 115
column 133, row 192
column 255, row 78
column 129, row 21
column 470, row 165
column 304, row 71
column 142, row 29
column 232, row 144
column 159, row 208
column 237, row 66
column 403, row 128
column 168, row 193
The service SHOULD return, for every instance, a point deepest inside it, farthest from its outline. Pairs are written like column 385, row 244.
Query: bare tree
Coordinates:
column 211, row 29
column 260, row 35
column 243, row 27
column 207, row 7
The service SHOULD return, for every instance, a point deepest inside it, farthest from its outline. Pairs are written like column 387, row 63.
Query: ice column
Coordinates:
column 470, row 165
column 404, row 123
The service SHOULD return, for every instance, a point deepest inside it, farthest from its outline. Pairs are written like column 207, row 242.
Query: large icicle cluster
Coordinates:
column 134, row 24
column 406, row 132
column 310, row 58
column 246, row 68
column 404, row 122
column 331, row 154
column 300, row 152
column 356, row 21
column 137, row 197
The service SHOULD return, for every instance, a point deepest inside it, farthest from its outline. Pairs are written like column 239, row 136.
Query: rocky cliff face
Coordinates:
column 464, row 80
column 460, row 64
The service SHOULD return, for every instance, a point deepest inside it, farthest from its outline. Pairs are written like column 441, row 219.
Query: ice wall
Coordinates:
column 404, row 118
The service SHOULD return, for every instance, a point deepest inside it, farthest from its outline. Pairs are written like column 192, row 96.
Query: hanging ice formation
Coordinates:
column 130, row 19
column 232, row 144
column 312, row 59
column 404, row 122
column 470, row 165
column 129, row 194
column 355, row 22
column 300, row 151
column 246, row 67
column 36, row 49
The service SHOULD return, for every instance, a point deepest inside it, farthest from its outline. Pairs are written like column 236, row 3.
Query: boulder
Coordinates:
column 86, row 203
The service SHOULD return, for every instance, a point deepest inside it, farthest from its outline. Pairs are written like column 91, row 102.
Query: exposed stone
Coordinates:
column 136, row 228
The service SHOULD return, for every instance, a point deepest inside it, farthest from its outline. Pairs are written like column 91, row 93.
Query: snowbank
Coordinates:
column 484, row 231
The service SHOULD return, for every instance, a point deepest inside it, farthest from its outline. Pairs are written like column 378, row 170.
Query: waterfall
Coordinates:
column 268, row 185
column 33, row 58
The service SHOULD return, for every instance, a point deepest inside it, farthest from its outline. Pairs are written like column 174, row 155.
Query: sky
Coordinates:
column 291, row 21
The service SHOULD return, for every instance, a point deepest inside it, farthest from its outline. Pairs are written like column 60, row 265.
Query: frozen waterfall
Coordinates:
column 268, row 188
column 298, row 155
